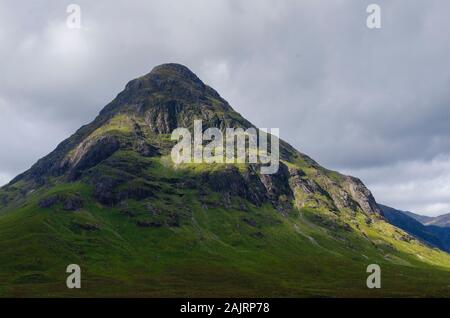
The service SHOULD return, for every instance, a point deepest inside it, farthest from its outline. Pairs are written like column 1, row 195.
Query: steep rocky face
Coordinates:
column 138, row 122
column 359, row 193
column 170, row 96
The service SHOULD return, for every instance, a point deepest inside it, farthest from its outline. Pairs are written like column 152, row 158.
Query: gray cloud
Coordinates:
column 373, row 103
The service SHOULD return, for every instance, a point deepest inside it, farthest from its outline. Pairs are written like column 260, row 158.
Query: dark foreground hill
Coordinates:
column 110, row 199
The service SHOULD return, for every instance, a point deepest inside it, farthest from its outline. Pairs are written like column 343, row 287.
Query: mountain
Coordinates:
column 432, row 235
column 441, row 220
column 111, row 200
column 421, row 218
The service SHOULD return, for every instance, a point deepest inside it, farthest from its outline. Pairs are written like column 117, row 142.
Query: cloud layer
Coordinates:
column 372, row 103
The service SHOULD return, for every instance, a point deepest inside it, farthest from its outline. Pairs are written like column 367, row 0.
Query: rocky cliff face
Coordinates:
column 139, row 120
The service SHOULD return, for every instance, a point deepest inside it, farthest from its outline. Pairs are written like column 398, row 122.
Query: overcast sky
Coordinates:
column 374, row 103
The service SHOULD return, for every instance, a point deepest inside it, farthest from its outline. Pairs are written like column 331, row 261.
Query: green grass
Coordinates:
column 214, row 252
column 120, row 123
column 178, row 242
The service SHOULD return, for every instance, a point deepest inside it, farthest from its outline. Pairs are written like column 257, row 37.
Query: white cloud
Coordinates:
column 5, row 178
column 419, row 186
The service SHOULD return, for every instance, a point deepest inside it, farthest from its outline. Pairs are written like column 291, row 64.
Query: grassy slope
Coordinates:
column 215, row 251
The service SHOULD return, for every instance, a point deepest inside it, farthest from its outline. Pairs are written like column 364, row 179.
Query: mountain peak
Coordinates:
column 173, row 70
column 171, row 96
column 169, row 74
column 171, row 84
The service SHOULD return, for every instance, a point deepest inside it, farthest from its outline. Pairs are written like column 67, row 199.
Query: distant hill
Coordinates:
column 412, row 223
column 421, row 218
column 441, row 220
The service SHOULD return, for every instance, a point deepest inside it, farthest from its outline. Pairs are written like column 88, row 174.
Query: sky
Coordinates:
column 373, row 103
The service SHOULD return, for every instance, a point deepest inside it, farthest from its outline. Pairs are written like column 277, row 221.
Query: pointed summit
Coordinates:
column 169, row 88
column 174, row 70
column 141, row 117
column 168, row 97
column 167, row 75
